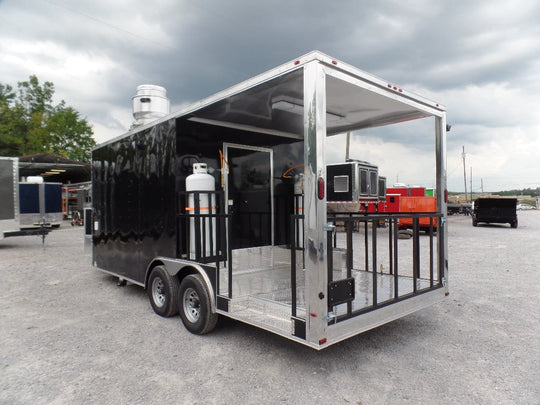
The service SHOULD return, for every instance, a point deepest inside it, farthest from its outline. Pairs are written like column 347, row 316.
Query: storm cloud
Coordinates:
column 479, row 59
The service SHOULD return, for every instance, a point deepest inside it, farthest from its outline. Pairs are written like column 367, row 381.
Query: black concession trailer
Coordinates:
column 221, row 208
column 495, row 211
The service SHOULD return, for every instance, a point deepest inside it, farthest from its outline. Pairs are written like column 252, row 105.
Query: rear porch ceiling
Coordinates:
column 277, row 106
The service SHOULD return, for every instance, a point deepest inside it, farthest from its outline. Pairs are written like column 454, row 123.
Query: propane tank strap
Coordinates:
column 200, row 208
column 224, row 167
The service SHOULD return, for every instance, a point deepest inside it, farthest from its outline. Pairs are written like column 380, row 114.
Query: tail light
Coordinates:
column 321, row 188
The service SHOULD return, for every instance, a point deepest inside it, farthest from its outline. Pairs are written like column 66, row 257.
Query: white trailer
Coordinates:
column 9, row 195
column 10, row 215
column 256, row 243
column 40, row 203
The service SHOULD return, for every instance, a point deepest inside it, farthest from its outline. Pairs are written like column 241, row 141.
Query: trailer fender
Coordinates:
column 181, row 268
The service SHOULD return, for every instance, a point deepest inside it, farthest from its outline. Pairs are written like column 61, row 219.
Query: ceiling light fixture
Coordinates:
column 297, row 108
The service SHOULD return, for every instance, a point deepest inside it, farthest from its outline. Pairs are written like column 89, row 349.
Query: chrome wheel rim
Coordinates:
column 192, row 305
column 158, row 292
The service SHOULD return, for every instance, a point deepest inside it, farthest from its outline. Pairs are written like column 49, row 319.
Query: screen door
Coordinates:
column 249, row 194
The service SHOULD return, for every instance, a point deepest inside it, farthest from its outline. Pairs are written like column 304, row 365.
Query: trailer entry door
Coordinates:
column 249, row 195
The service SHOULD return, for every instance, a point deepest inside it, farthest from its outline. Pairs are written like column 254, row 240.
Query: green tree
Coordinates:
column 9, row 122
column 30, row 123
column 68, row 134
column 35, row 97
column 6, row 94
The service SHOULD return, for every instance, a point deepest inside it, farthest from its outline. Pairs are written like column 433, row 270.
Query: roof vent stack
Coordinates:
column 149, row 104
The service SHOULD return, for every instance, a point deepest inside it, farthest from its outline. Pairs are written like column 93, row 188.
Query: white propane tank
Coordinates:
column 299, row 184
column 201, row 181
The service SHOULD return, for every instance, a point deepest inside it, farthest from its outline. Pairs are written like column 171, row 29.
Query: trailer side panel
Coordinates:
column 135, row 201
column 7, row 207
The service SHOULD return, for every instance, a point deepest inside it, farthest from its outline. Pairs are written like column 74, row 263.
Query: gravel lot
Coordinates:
column 69, row 335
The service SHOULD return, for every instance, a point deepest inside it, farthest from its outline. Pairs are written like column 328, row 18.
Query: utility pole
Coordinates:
column 464, row 173
column 471, row 183
column 347, row 146
column 482, row 185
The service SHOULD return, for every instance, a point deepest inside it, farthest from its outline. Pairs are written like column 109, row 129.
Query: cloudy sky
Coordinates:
column 481, row 59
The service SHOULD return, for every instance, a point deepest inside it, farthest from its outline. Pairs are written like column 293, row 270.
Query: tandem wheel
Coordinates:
column 163, row 292
column 196, row 306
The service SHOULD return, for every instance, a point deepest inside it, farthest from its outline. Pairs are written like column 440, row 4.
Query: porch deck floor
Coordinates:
column 261, row 288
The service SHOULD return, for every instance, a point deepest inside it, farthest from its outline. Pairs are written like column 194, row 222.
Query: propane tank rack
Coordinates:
column 202, row 231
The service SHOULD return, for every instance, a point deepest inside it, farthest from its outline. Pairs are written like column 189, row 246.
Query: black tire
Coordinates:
column 163, row 290
column 474, row 223
column 405, row 234
column 514, row 224
column 195, row 305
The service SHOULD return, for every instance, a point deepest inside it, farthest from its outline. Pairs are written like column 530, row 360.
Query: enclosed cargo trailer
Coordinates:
column 495, row 211
column 251, row 238
column 403, row 191
column 10, row 216
column 424, row 205
column 9, row 195
column 40, row 204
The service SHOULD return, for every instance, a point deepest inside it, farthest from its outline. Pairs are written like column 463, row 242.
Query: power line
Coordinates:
column 112, row 26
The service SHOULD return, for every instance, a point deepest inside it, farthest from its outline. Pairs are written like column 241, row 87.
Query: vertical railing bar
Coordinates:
column 335, row 233
column 211, row 221
column 431, row 230
column 229, row 255
column 300, row 225
column 440, row 256
column 179, row 218
column 293, row 266
column 396, row 275
column 197, row 224
column 374, row 260
column 366, row 246
column 416, row 258
column 296, row 230
column 218, row 245
column 203, row 219
column 330, row 263
column 390, row 250
column 187, row 224
column 330, row 259
column 217, row 230
column 350, row 255
column 349, row 246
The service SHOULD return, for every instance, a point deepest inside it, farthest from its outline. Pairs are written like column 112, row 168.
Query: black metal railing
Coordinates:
column 366, row 228
column 203, row 231
column 201, row 226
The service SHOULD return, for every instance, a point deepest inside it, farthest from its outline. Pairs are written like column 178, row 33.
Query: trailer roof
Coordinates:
column 54, row 168
column 272, row 102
